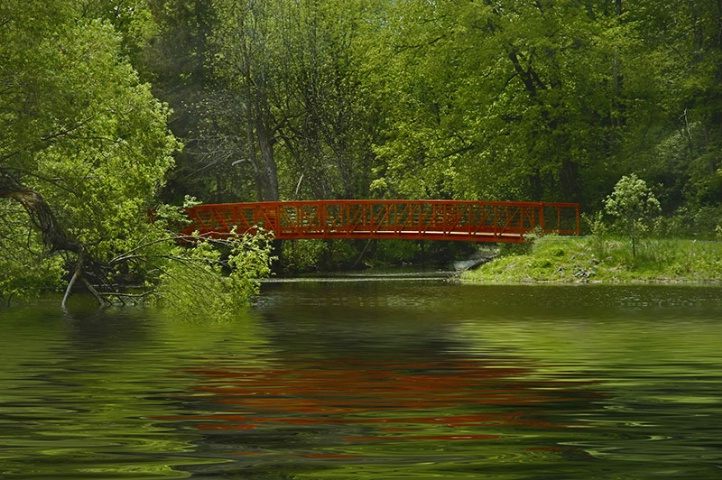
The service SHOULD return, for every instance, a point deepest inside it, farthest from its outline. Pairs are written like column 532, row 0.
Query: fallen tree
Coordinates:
column 189, row 273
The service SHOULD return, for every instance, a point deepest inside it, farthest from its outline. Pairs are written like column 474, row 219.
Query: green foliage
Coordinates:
column 81, row 132
column 311, row 255
column 552, row 100
column 546, row 100
column 77, row 124
column 132, row 19
column 80, row 128
column 27, row 271
column 303, row 255
column 270, row 97
column 210, row 278
column 492, row 102
column 699, row 222
column 634, row 206
column 599, row 233
column 395, row 252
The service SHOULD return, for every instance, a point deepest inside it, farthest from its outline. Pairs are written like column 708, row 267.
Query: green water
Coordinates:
column 363, row 379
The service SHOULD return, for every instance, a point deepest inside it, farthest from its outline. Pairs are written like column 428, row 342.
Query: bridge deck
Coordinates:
column 457, row 220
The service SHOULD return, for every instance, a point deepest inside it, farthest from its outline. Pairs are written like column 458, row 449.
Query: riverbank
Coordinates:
column 556, row 259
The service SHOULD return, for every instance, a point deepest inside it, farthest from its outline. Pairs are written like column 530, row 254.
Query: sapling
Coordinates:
column 634, row 206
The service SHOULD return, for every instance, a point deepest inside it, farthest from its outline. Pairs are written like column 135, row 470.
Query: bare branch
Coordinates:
column 131, row 253
column 92, row 290
column 78, row 272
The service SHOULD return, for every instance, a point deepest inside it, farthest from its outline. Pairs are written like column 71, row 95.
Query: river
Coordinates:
column 371, row 378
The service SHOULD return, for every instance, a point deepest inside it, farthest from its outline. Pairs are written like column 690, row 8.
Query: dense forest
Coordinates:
column 110, row 108
column 523, row 100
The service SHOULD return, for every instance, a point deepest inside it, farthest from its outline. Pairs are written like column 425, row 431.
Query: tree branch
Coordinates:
column 65, row 131
column 40, row 213
column 76, row 275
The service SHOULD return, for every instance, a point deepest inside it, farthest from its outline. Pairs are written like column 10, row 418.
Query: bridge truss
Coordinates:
column 457, row 220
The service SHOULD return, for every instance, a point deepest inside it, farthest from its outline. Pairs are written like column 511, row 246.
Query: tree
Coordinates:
column 634, row 205
column 83, row 146
column 512, row 101
column 177, row 59
column 287, row 104
column 678, row 142
column 332, row 116
column 246, row 87
column 84, row 149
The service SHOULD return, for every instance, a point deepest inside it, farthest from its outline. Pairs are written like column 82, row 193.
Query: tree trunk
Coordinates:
column 41, row 215
column 55, row 237
column 268, row 188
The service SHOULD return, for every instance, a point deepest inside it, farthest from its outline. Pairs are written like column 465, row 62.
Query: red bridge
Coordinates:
column 469, row 221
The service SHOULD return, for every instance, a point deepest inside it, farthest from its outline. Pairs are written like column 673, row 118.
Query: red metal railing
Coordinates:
column 469, row 221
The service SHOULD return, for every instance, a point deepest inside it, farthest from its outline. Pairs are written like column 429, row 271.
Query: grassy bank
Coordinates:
column 556, row 259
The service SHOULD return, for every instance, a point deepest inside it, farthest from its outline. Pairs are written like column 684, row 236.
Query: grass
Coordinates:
column 556, row 259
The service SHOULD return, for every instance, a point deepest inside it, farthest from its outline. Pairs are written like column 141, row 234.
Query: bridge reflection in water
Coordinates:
column 468, row 221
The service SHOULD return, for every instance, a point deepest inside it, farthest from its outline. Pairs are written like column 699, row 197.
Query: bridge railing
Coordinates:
column 480, row 221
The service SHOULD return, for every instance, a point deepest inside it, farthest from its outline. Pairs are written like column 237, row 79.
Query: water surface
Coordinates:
column 331, row 379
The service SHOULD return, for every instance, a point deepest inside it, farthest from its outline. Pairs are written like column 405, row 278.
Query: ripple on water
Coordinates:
column 372, row 380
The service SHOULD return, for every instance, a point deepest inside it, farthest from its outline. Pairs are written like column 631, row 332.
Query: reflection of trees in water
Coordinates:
column 329, row 409
column 372, row 387
column 354, row 372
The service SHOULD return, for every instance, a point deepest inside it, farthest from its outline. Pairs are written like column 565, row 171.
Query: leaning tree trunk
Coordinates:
column 41, row 215
column 55, row 237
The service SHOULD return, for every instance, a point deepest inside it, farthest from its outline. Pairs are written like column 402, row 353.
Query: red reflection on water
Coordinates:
column 446, row 393
column 424, row 437
column 332, row 456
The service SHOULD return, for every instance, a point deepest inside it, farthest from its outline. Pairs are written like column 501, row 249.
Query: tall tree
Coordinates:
column 507, row 99
column 289, row 96
column 83, row 143
column 334, row 116
column 680, row 139
column 177, row 58
column 247, row 83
